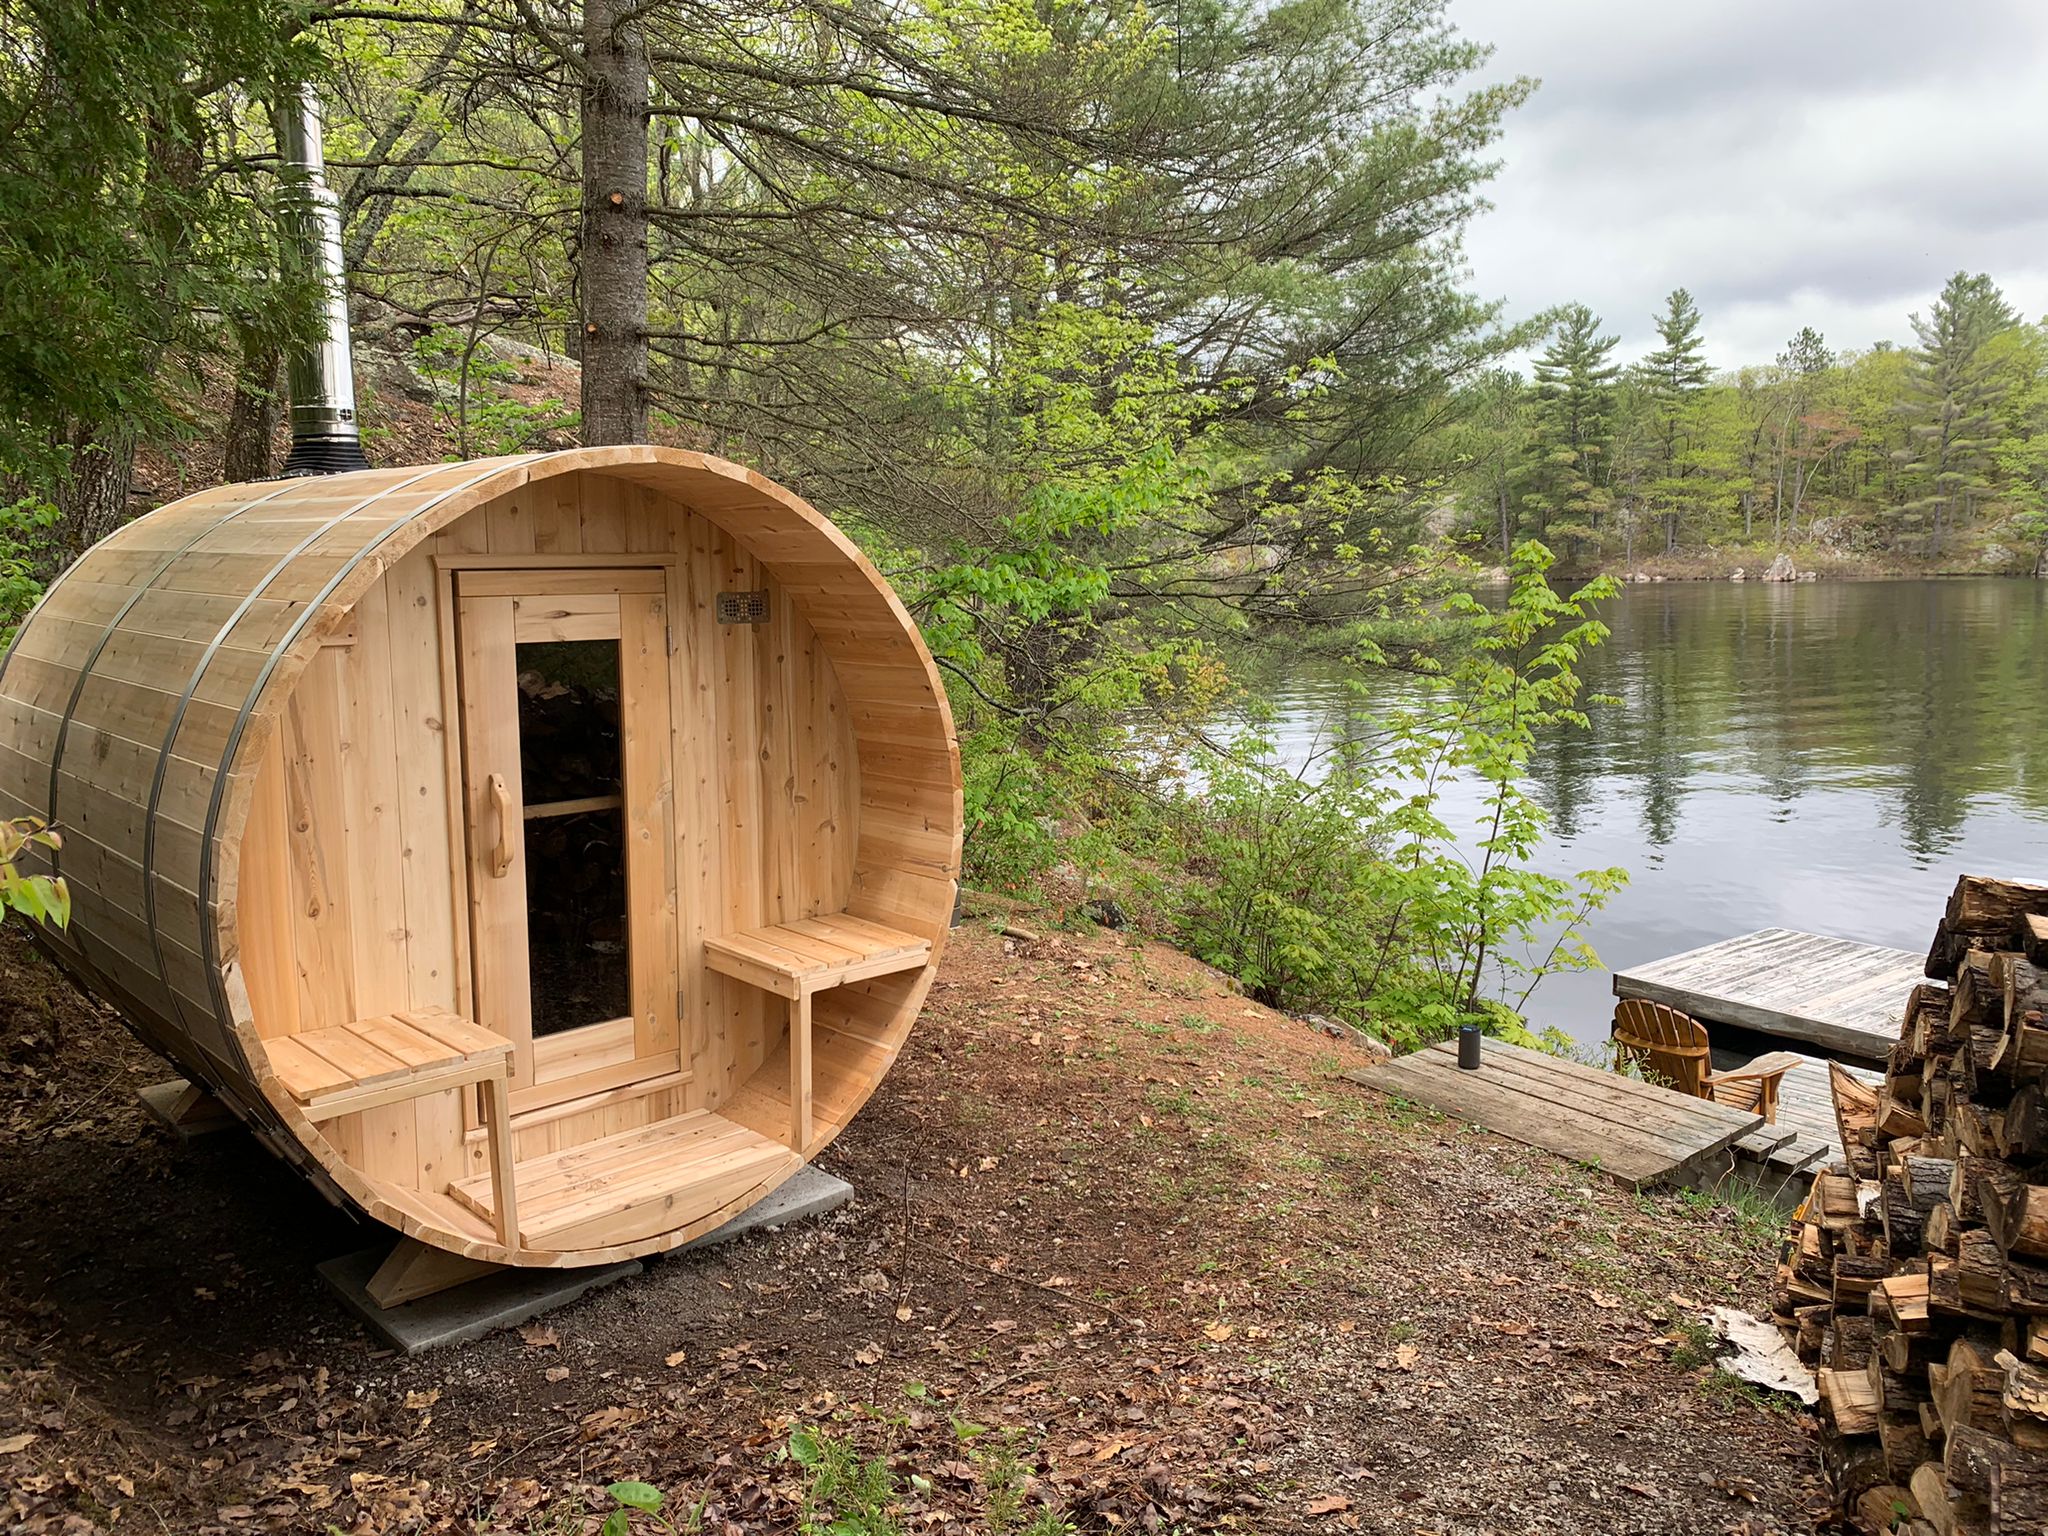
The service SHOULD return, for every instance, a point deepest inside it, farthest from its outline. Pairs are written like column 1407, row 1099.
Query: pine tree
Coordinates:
column 1673, row 377
column 1574, row 410
column 1492, row 445
column 1806, row 435
column 1953, row 387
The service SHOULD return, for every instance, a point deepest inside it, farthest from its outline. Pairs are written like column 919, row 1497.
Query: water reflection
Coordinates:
column 1827, row 756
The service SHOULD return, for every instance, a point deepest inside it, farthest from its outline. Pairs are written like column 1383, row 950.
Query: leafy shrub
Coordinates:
column 1353, row 894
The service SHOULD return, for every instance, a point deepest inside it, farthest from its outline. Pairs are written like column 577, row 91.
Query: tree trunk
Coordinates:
column 253, row 414
column 613, row 256
column 94, row 501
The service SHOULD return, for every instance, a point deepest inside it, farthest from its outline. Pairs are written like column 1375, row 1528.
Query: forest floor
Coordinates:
column 1124, row 1243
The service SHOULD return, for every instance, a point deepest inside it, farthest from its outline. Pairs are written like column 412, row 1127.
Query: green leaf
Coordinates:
column 637, row 1495
column 804, row 1448
column 618, row 1523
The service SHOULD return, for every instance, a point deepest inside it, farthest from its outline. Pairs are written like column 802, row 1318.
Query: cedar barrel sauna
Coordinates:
column 546, row 854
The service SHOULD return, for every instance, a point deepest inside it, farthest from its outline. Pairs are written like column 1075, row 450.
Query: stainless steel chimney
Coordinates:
column 320, row 375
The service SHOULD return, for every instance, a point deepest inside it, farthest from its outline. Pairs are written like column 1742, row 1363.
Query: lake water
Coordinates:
column 1827, row 756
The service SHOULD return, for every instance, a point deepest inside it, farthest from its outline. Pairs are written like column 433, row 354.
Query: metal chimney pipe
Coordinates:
column 321, row 374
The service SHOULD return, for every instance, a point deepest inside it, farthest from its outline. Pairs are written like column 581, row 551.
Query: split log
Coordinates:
column 1904, row 1444
column 1880, row 1507
column 2019, row 1497
column 1940, row 1236
column 1968, row 1455
column 1981, row 911
column 1851, row 1401
column 2024, row 1394
column 1977, row 1179
column 1972, row 1390
column 1849, row 1342
column 1937, row 1501
column 2023, row 1129
column 2017, row 1219
column 1930, row 1240
column 1908, row 1197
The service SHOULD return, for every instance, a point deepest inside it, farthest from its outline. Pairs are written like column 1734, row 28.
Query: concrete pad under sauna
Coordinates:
column 510, row 1297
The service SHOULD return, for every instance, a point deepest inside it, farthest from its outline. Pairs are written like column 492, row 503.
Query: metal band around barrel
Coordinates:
column 163, row 759
column 207, row 937
column 107, row 636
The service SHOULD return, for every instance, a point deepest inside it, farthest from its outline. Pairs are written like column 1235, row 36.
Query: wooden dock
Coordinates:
column 1804, row 1103
column 1634, row 1132
column 1837, row 994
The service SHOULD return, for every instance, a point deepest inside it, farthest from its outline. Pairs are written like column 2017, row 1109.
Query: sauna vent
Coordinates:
column 743, row 607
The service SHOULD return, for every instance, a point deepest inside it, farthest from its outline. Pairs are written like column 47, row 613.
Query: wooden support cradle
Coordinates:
column 800, row 959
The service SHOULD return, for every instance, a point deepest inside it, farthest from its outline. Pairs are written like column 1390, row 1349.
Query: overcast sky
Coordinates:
column 1792, row 162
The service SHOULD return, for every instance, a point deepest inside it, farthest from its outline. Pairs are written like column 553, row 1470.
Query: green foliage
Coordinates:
column 844, row 1494
column 479, row 415
column 1356, row 893
column 1888, row 450
column 126, row 226
column 638, row 1506
column 40, row 897
column 1574, row 405
column 26, row 526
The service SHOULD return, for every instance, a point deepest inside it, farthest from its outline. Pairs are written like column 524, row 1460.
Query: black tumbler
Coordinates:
column 1468, row 1047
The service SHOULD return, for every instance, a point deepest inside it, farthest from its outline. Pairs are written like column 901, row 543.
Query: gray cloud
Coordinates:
column 1819, row 163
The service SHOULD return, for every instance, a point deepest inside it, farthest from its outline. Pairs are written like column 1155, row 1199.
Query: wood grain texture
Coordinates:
column 1839, row 994
column 244, row 710
column 1636, row 1133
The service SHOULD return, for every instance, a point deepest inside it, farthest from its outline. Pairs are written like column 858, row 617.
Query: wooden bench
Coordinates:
column 796, row 961
column 362, row 1065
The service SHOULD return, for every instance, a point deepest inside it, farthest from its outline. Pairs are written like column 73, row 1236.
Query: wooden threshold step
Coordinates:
column 635, row 1184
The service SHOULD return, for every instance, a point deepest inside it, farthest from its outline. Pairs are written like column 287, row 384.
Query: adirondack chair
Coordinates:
column 1671, row 1048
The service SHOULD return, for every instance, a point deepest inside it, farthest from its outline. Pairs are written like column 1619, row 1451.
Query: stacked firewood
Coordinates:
column 1916, row 1277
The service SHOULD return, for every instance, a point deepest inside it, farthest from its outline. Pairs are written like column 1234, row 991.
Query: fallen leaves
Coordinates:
column 539, row 1336
column 1329, row 1504
column 13, row 1444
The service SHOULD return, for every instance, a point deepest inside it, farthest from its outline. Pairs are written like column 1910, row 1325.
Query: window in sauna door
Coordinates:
column 565, row 754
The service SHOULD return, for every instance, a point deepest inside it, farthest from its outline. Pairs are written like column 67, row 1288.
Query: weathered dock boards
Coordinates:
column 1838, row 994
column 1636, row 1133
column 1804, row 1104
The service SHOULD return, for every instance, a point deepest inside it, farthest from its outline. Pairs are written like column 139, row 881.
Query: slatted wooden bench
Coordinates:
column 398, row 1056
column 798, row 960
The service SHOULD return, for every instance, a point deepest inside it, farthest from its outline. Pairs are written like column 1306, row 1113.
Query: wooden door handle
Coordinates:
column 501, row 854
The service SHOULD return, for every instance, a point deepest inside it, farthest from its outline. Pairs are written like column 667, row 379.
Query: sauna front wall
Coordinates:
column 240, row 711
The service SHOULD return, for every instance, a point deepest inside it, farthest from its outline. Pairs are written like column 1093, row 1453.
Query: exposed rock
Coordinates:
column 1996, row 556
column 1782, row 569
column 1105, row 912
column 1737, row 574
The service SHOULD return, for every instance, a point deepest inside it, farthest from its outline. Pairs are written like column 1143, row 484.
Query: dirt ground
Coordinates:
column 1124, row 1243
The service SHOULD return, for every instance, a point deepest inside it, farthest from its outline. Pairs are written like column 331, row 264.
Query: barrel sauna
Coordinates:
column 546, row 854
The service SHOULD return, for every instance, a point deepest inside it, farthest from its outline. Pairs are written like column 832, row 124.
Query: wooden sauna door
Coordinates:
column 563, row 676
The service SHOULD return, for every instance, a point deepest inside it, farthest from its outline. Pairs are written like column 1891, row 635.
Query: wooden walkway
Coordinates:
column 1836, row 994
column 1635, row 1132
